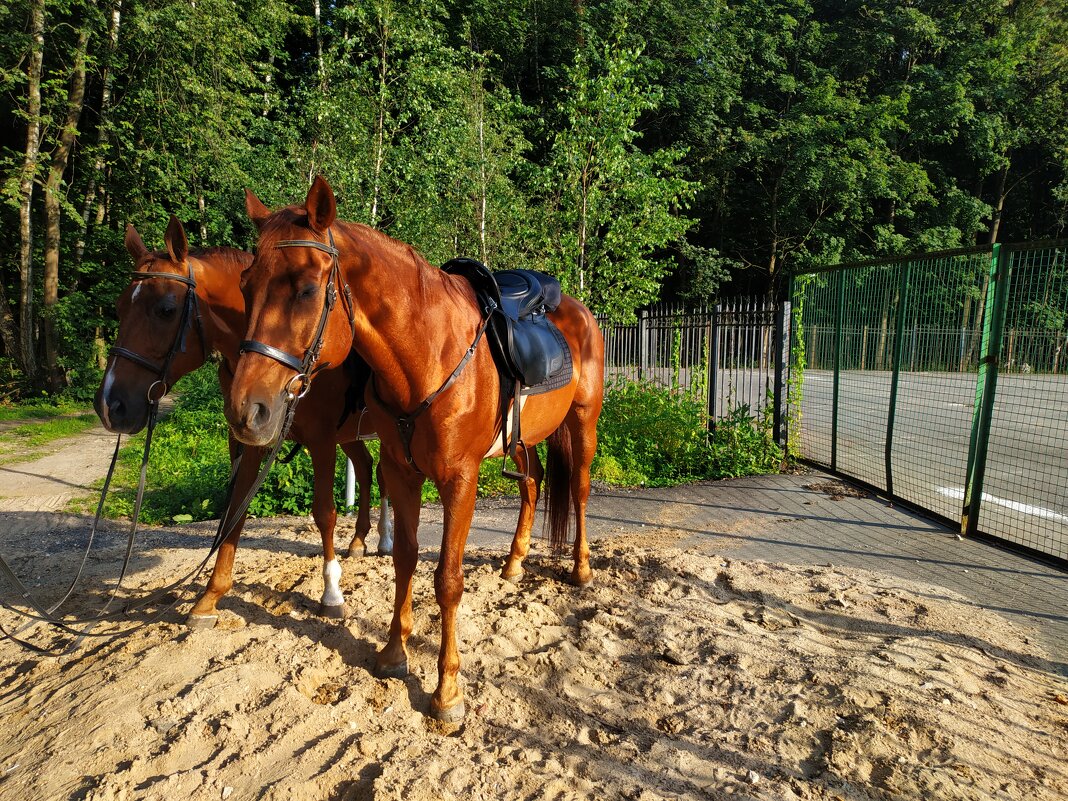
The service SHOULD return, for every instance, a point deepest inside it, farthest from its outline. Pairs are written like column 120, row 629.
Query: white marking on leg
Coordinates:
column 332, row 584
column 385, row 528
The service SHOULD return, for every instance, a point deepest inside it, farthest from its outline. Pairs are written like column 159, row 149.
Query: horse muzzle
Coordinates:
column 255, row 420
column 120, row 412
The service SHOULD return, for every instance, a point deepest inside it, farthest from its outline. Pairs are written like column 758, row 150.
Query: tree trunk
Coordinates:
column 53, row 210
column 203, row 209
column 102, row 138
column 8, row 334
column 26, row 352
column 999, row 203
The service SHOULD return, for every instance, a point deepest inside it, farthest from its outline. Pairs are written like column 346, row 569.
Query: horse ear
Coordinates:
column 321, row 205
column 257, row 212
column 134, row 246
column 177, row 244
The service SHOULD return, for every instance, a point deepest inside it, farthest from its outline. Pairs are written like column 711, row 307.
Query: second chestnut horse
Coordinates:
column 419, row 328
column 165, row 332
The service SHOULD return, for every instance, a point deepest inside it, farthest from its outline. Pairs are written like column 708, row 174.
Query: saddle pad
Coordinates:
column 560, row 379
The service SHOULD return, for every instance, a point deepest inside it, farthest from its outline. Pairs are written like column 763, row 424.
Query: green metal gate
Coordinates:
column 942, row 379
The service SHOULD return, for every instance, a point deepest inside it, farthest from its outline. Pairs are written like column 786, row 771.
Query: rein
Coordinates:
column 229, row 519
column 190, row 311
column 305, row 367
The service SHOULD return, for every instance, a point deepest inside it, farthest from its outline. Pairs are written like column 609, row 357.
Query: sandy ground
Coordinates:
column 678, row 674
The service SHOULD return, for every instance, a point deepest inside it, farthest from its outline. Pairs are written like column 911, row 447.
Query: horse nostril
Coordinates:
column 116, row 410
column 258, row 415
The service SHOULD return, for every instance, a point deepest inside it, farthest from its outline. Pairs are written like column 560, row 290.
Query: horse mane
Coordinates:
column 226, row 258
column 428, row 276
column 229, row 257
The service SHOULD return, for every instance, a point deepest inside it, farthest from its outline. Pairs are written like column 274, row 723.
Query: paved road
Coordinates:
column 1025, row 494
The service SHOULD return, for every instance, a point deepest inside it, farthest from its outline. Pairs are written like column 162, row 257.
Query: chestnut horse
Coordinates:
column 415, row 326
column 158, row 342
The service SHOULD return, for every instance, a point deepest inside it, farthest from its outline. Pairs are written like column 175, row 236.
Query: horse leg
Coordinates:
column 405, row 488
column 361, row 465
column 458, row 498
column 528, row 492
column 582, row 427
column 203, row 615
column 323, row 454
column 385, row 522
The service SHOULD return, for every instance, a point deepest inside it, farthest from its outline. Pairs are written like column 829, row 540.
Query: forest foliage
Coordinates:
column 637, row 149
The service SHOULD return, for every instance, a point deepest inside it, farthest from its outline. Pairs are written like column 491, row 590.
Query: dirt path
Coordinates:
column 66, row 470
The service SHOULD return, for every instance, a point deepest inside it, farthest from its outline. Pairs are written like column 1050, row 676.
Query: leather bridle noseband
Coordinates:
column 190, row 310
column 305, row 367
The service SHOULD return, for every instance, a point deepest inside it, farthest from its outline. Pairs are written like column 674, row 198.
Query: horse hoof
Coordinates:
column 454, row 714
column 392, row 671
column 198, row 622
column 357, row 550
column 581, row 582
column 385, row 551
column 334, row 611
column 515, row 578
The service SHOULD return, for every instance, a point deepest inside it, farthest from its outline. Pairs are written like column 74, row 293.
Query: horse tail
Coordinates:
column 558, row 488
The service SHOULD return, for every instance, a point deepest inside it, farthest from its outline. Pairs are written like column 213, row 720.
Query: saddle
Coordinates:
column 531, row 354
column 526, row 345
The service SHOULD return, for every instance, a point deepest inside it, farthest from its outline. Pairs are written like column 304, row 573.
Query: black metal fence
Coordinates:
column 730, row 355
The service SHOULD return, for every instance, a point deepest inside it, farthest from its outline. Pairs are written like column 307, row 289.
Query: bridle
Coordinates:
column 305, row 367
column 190, row 310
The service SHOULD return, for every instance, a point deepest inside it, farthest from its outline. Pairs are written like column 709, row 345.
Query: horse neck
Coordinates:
column 218, row 289
column 413, row 323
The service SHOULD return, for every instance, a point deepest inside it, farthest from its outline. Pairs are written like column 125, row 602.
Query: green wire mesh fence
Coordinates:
column 896, row 379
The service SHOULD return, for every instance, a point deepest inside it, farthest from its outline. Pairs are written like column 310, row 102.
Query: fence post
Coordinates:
column 781, row 344
column 643, row 342
column 713, row 366
column 838, row 311
column 997, row 296
column 899, row 351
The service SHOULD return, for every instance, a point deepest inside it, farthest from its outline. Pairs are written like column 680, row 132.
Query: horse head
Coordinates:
column 160, row 335
column 291, row 290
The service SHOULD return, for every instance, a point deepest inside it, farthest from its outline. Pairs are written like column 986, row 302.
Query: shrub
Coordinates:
column 653, row 435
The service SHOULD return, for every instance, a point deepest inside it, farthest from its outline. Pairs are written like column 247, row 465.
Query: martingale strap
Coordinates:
column 406, row 422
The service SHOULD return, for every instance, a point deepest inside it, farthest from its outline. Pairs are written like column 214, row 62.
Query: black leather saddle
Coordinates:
column 526, row 345
column 531, row 354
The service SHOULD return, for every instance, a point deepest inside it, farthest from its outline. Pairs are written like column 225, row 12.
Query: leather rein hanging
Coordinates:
column 306, row 367
column 190, row 311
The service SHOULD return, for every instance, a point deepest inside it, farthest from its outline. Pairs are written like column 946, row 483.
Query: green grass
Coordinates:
column 26, row 442
column 43, row 408
column 648, row 435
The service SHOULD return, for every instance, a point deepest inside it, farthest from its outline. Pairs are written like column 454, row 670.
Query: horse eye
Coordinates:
column 165, row 311
column 308, row 292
